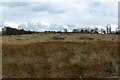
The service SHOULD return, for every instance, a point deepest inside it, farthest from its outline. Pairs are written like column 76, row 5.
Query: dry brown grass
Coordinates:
column 94, row 57
column 51, row 37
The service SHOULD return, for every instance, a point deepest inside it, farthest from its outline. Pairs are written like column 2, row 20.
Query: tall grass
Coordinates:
column 60, row 59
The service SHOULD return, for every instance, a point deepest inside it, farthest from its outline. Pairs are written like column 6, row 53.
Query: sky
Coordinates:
column 58, row 14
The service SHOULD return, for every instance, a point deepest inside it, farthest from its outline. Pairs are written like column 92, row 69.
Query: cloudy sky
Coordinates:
column 58, row 14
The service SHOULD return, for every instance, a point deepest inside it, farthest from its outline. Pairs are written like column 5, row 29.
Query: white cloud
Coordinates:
column 59, row 0
column 59, row 12
column 13, row 25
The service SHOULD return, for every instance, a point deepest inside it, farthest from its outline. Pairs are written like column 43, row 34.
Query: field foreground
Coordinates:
column 60, row 56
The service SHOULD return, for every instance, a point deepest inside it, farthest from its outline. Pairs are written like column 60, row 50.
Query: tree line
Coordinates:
column 13, row 31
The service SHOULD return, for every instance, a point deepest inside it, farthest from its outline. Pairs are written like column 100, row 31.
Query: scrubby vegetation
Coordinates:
column 60, row 56
column 13, row 31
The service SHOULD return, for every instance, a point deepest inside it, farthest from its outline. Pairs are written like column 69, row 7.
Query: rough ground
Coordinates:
column 60, row 55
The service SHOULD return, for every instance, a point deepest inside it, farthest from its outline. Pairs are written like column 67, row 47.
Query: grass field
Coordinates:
column 65, row 55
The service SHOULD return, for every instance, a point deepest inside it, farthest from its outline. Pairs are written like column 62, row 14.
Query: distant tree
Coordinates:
column 117, row 31
column 108, row 27
column 82, row 30
column 75, row 30
column 65, row 30
column 59, row 32
column 14, row 31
